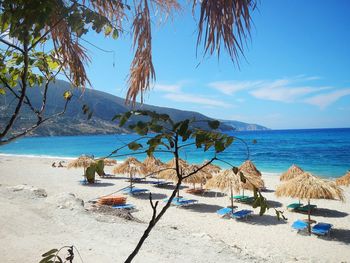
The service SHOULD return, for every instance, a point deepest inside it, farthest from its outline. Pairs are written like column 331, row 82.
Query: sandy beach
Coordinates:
column 44, row 207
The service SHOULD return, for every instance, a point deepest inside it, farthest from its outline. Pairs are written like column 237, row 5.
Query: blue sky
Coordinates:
column 296, row 71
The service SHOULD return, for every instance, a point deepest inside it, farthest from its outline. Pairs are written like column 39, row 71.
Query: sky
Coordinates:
column 295, row 72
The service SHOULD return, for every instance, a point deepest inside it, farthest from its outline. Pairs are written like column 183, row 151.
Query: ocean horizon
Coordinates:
column 323, row 152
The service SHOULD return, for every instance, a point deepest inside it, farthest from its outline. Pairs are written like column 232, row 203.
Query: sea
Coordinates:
column 323, row 152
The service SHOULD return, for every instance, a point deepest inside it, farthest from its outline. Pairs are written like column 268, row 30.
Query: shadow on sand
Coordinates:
column 99, row 184
column 265, row 220
column 213, row 194
column 203, row 208
column 325, row 212
column 272, row 203
column 155, row 196
column 341, row 235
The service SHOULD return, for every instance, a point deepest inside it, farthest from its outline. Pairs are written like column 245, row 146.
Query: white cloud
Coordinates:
column 231, row 87
column 285, row 90
column 195, row 99
column 168, row 88
column 324, row 100
column 283, row 93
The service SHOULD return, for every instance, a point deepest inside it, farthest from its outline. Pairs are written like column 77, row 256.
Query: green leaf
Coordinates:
column 108, row 30
column 183, row 127
column 67, row 95
column 219, row 146
column 134, row 146
column 115, row 34
column 242, row 177
column 54, row 250
column 214, row 124
column 2, row 91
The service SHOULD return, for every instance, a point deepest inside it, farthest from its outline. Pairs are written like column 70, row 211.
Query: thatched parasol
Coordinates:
column 226, row 181
column 248, row 168
column 153, row 165
column 109, row 162
column 306, row 186
column 131, row 166
column 291, row 173
column 344, row 180
column 171, row 172
column 211, row 168
column 81, row 161
column 200, row 177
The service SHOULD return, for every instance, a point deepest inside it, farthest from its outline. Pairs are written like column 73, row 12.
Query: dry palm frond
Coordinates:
column 248, row 168
column 71, row 54
column 292, row 172
column 130, row 166
column 141, row 69
column 224, row 21
column 82, row 161
column 307, row 186
column 344, row 180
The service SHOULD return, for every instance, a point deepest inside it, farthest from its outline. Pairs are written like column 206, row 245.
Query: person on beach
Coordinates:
column 53, row 164
column 60, row 164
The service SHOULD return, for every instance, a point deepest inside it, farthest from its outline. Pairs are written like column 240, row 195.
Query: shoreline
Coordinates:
column 72, row 158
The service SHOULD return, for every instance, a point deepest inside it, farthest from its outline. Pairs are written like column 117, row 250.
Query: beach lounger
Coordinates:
column 85, row 182
column 321, row 229
column 241, row 214
column 305, row 208
column 243, row 198
column 223, row 212
column 294, row 206
column 184, row 202
column 180, row 201
column 134, row 191
column 123, row 206
column 300, row 225
column 161, row 183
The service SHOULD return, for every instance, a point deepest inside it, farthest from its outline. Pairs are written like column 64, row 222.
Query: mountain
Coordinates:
column 103, row 105
column 242, row 126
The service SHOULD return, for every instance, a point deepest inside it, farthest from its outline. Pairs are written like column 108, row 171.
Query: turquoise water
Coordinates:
column 324, row 152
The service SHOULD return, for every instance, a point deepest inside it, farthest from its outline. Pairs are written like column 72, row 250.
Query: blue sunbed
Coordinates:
column 134, row 191
column 321, row 229
column 241, row 214
column 123, row 206
column 300, row 225
column 224, row 211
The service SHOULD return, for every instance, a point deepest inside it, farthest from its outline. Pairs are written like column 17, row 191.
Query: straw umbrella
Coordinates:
column 81, row 161
column 344, row 180
column 291, row 173
column 306, row 186
column 253, row 176
column 153, row 165
column 131, row 166
column 211, row 168
column 199, row 177
column 170, row 173
column 109, row 162
column 248, row 167
column 226, row 181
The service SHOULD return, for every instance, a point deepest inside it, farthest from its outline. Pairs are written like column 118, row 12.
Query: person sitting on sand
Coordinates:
column 60, row 164
column 53, row 164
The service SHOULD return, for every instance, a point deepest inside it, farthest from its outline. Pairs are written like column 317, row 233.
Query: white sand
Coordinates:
column 32, row 224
